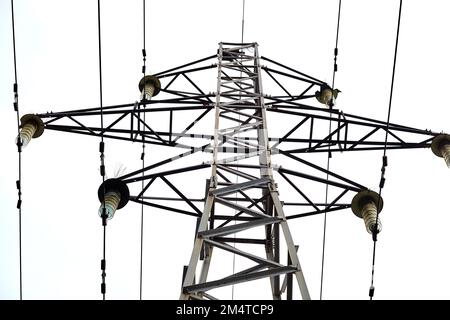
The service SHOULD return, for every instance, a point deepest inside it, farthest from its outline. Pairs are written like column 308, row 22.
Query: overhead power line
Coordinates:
column 144, row 59
column 384, row 159
column 102, row 155
column 329, row 154
column 19, row 148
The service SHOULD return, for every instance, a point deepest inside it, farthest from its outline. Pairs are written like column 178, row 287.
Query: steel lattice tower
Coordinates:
column 240, row 147
column 242, row 80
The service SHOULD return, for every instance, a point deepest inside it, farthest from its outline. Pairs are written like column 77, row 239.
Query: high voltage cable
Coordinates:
column 384, row 165
column 102, row 156
column 144, row 58
column 329, row 154
column 19, row 149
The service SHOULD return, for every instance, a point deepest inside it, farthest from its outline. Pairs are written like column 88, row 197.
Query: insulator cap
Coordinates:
column 362, row 198
column 438, row 142
column 115, row 185
column 32, row 118
column 150, row 80
column 326, row 94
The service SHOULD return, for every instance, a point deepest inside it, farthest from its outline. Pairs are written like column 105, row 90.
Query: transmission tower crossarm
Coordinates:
column 349, row 132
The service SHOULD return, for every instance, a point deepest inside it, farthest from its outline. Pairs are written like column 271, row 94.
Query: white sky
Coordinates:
column 58, row 70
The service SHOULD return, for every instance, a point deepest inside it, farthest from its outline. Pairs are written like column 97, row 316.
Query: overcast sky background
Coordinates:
column 57, row 62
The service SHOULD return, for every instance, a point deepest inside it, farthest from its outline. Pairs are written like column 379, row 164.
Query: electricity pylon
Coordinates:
column 239, row 93
column 241, row 148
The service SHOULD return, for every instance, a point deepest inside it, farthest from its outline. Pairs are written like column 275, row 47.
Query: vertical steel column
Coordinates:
column 241, row 96
column 267, row 171
column 203, row 225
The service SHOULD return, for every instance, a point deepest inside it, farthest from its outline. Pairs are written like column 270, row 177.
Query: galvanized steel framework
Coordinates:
column 239, row 83
column 240, row 134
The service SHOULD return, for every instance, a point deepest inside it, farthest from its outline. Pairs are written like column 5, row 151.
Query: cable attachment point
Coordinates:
column 335, row 59
column 103, row 264
column 16, row 97
column 102, row 170
column 371, row 291
column 104, row 216
column 103, row 288
column 19, row 193
column 375, row 234
column 385, row 161
column 19, row 144
column 382, row 181
column 102, row 158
